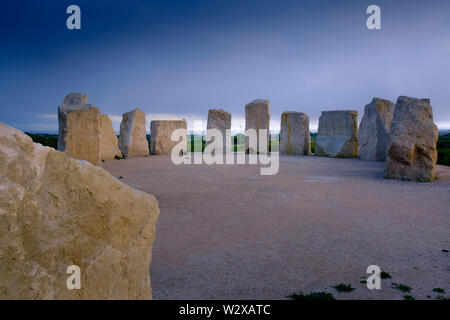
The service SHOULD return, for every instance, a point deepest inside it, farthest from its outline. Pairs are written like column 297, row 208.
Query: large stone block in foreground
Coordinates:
column 161, row 135
column 257, row 116
column 338, row 134
column 109, row 145
column 55, row 212
column 374, row 129
column 294, row 134
column 411, row 151
column 221, row 120
column 79, row 128
column 133, row 136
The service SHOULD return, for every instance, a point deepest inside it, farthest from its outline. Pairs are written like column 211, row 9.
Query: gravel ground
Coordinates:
column 226, row 232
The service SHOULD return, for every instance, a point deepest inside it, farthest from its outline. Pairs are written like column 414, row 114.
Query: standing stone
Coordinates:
column 133, row 136
column 56, row 212
column 411, row 151
column 161, row 135
column 257, row 116
column 374, row 129
column 338, row 134
column 79, row 128
column 294, row 133
column 109, row 144
column 221, row 120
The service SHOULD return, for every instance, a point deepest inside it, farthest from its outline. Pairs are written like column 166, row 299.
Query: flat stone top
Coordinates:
column 218, row 111
column 337, row 112
column 168, row 122
column 76, row 98
column 411, row 99
column 258, row 101
column 294, row 113
column 375, row 100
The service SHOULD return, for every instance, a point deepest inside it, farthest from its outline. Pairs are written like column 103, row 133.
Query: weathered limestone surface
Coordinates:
column 411, row 151
column 161, row 133
column 56, row 211
column 133, row 137
column 294, row 133
column 221, row 120
column 257, row 116
column 374, row 129
column 76, row 98
column 338, row 134
column 109, row 145
column 79, row 128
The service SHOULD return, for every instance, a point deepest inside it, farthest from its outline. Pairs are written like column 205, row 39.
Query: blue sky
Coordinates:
column 177, row 59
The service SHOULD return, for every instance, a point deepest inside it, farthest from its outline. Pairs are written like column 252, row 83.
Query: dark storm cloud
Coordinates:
column 183, row 57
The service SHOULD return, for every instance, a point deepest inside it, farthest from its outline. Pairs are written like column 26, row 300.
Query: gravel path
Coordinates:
column 225, row 232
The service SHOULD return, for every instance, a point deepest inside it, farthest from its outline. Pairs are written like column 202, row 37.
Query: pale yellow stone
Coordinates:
column 56, row 211
column 221, row 120
column 411, row 151
column 257, row 117
column 79, row 128
column 109, row 145
column 294, row 133
column 133, row 137
column 83, row 135
column 161, row 135
column 337, row 136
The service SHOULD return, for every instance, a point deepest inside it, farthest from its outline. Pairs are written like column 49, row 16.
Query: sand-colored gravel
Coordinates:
column 225, row 232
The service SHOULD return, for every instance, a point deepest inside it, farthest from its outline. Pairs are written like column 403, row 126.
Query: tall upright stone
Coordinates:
column 57, row 212
column 411, row 151
column 374, row 129
column 79, row 128
column 257, row 117
column 221, row 120
column 338, row 134
column 294, row 133
column 133, row 136
column 109, row 145
column 161, row 135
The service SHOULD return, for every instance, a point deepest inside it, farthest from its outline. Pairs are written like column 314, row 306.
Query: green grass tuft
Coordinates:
column 401, row 287
column 385, row 275
column 344, row 287
column 439, row 290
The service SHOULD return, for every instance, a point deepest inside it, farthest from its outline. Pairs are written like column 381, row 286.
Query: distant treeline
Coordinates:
column 49, row 140
column 443, row 145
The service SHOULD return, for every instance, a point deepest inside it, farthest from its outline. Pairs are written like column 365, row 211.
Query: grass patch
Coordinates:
column 442, row 298
column 385, row 275
column 401, row 287
column 439, row 290
column 344, row 287
column 409, row 297
column 363, row 281
column 313, row 296
column 443, row 149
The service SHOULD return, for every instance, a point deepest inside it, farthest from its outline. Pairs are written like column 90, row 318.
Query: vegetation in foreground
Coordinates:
column 344, row 287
